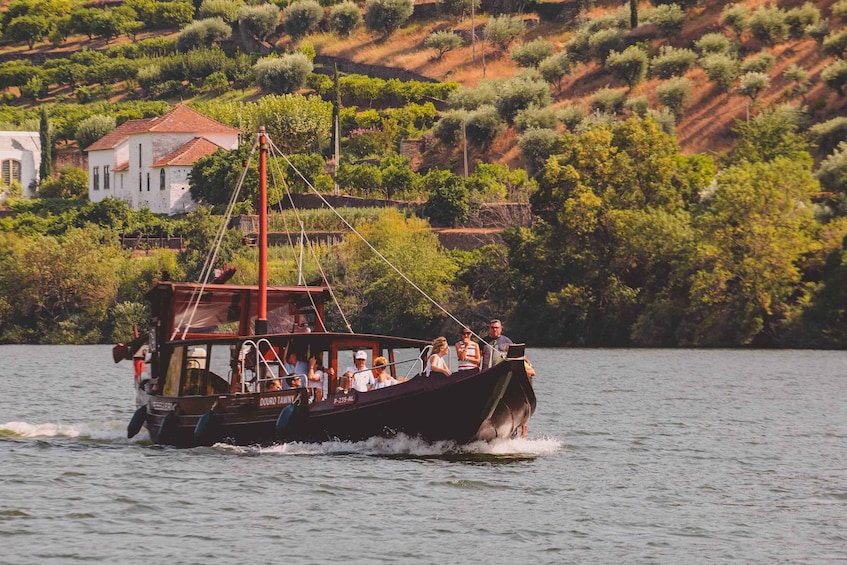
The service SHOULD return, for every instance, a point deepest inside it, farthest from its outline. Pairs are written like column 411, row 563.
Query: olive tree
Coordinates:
column 302, row 17
column 387, row 16
column 345, row 17
column 442, row 42
column 284, row 74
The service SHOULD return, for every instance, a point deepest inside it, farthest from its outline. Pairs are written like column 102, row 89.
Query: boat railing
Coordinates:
column 416, row 362
column 263, row 373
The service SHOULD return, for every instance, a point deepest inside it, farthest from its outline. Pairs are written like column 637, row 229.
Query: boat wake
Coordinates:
column 404, row 446
column 114, row 431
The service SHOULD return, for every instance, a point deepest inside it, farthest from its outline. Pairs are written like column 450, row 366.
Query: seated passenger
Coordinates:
column 467, row 351
column 436, row 362
column 293, row 366
column 382, row 378
column 295, row 382
column 344, row 384
column 315, row 378
column 363, row 378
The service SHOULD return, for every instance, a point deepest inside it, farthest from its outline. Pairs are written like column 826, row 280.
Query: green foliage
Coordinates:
column 721, row 69
column 71, row 183
column 91, row 129
column 45, row 137
column 800, row 18
column 398, row 178
column 760, row 63
column 344, row 18
column 535, row 117
column 735, row 17
column 571, row 116
column 387, row 16
column 483, row 126
column 554, row 68
column 753, row 83
column 834, row 44
column 671, row 62
column 259, row 21
column 361, row 180
column 199, row 237
column 577, row 47
column 629, row 66
column 284, row 74
column 457, row 8
column 302, row 17
column 227, row 10
column 297, row 124
column 829, row 134
column 202, row 33
column 532, row 53
column 213, row 178
column 158, row 15
column 537, row 145
column 832, row 173
column 472, row 98
column 638, row 105
column 603, row 42
column 771, row 134
column 30, row 29
column 607, row 101
column 669, row 19
column 713, row 43
column 799, row 79
column 675, row 94
column 835, row 76
column 503, row 30
column 442, row 42
column 448, row 202
column 520, row 92
column 768, row 25
column 818, row 31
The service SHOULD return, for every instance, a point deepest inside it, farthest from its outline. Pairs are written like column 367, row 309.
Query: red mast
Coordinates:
column 262, row 319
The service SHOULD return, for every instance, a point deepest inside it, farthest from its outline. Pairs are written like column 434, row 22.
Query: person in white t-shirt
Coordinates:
column 315, row 377
column 436, row 362
column 467, row 351
column 382, row 378
column 363, row 378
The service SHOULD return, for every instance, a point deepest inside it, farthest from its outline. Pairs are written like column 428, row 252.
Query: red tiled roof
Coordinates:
column 188, row 153
column 121, row 167
column 120, row 133
column 181, row 119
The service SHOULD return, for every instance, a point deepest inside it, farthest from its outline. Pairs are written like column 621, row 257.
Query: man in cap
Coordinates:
column 363, row 378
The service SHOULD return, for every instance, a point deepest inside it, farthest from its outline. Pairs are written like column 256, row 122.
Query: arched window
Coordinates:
column 162, row 179
column 11, row 171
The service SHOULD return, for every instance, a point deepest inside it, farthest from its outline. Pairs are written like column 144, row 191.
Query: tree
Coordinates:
column 214, row 177
column 630, row 65
column 199, row 238
column 721, row 69
column 531, row 54
column 554, row 68
column 503, row 30
column 669, row 19
column 607, row 101
column 674, row 94
column 771, row 134
column 671, row 62
column 520, row 92
column 93, row 128
column 297, row 124
column 302, row 17
column 442, row 42
column 835, row 76
column 755, row 228
column 735, row 16
column 834, row 44
column 345, row 17
column 537, row 145
column 45, row 136
column 832, row 173
column 768, row 25
column 71, row 184
column 202, row 34
column 227, row 10
column 800, row 18
column 753, row 84
column 713, row 43
column 284, row 74
column 387, row 16
column 448, row 202
column 31, row 29
column 259, row 21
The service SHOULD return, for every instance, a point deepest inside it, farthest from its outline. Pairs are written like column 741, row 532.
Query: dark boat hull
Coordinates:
column 463, row 407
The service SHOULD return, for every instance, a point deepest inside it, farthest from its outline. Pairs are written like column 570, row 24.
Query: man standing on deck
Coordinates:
column 496, row 345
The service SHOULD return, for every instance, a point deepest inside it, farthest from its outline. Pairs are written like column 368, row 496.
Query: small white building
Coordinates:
column 146, row 162
column 20, row 159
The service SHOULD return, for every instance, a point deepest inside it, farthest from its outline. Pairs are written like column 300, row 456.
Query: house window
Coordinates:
column 11, row 170
column 106, row 183
column 162, row 179
column 96, row 181
column 139, row 154
column 148, row 182
column 139, row 181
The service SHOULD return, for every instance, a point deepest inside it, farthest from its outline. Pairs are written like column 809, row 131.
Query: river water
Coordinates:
column 633, row 456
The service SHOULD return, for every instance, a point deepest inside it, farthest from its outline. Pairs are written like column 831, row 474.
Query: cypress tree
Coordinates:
column 46, row 168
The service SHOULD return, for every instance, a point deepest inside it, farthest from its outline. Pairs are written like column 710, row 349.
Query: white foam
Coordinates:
column 101, row 431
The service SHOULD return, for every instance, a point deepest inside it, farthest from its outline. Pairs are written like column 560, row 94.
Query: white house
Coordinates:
column 146, row 162
column 20, row 158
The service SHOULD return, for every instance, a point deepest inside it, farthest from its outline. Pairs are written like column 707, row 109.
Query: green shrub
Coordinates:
column 832, row 173
column 483, row 125
column 674, row 94
column 829, row 134
column 839, row 9
column 664, row 118
column 720, row 69
column 638, row 105
column 736, row 17
column 449, row 201
column 799, row 78
column 501, row 31
column 537, row 145
column 302, row 17
column 629, row 66
column 554, row 68
column 216, row 82
column 71, row 182
column 768, row 25
column 344, row 18
column 531, row 54
column 603, row 42
column 227, row 10
column 818, row 31
column 202, row 33
column 800, row 18
column 442, row 42
column 577, row 47
column 364, row 179
column 34, row 88
column 520, row 92
column 284, row 74
column 387, row 16
column 760, row 63
column 448, row 128
column 571, row 116
column 834, row 44
column 93, row 128
column 535, row 117
column 753, row 83
column 472, row 98
column 669, row 19
column 457, row 8
column 835, row 76
column 608, row 101
column 259, row 21
column 712, row 43
column 671, row 62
